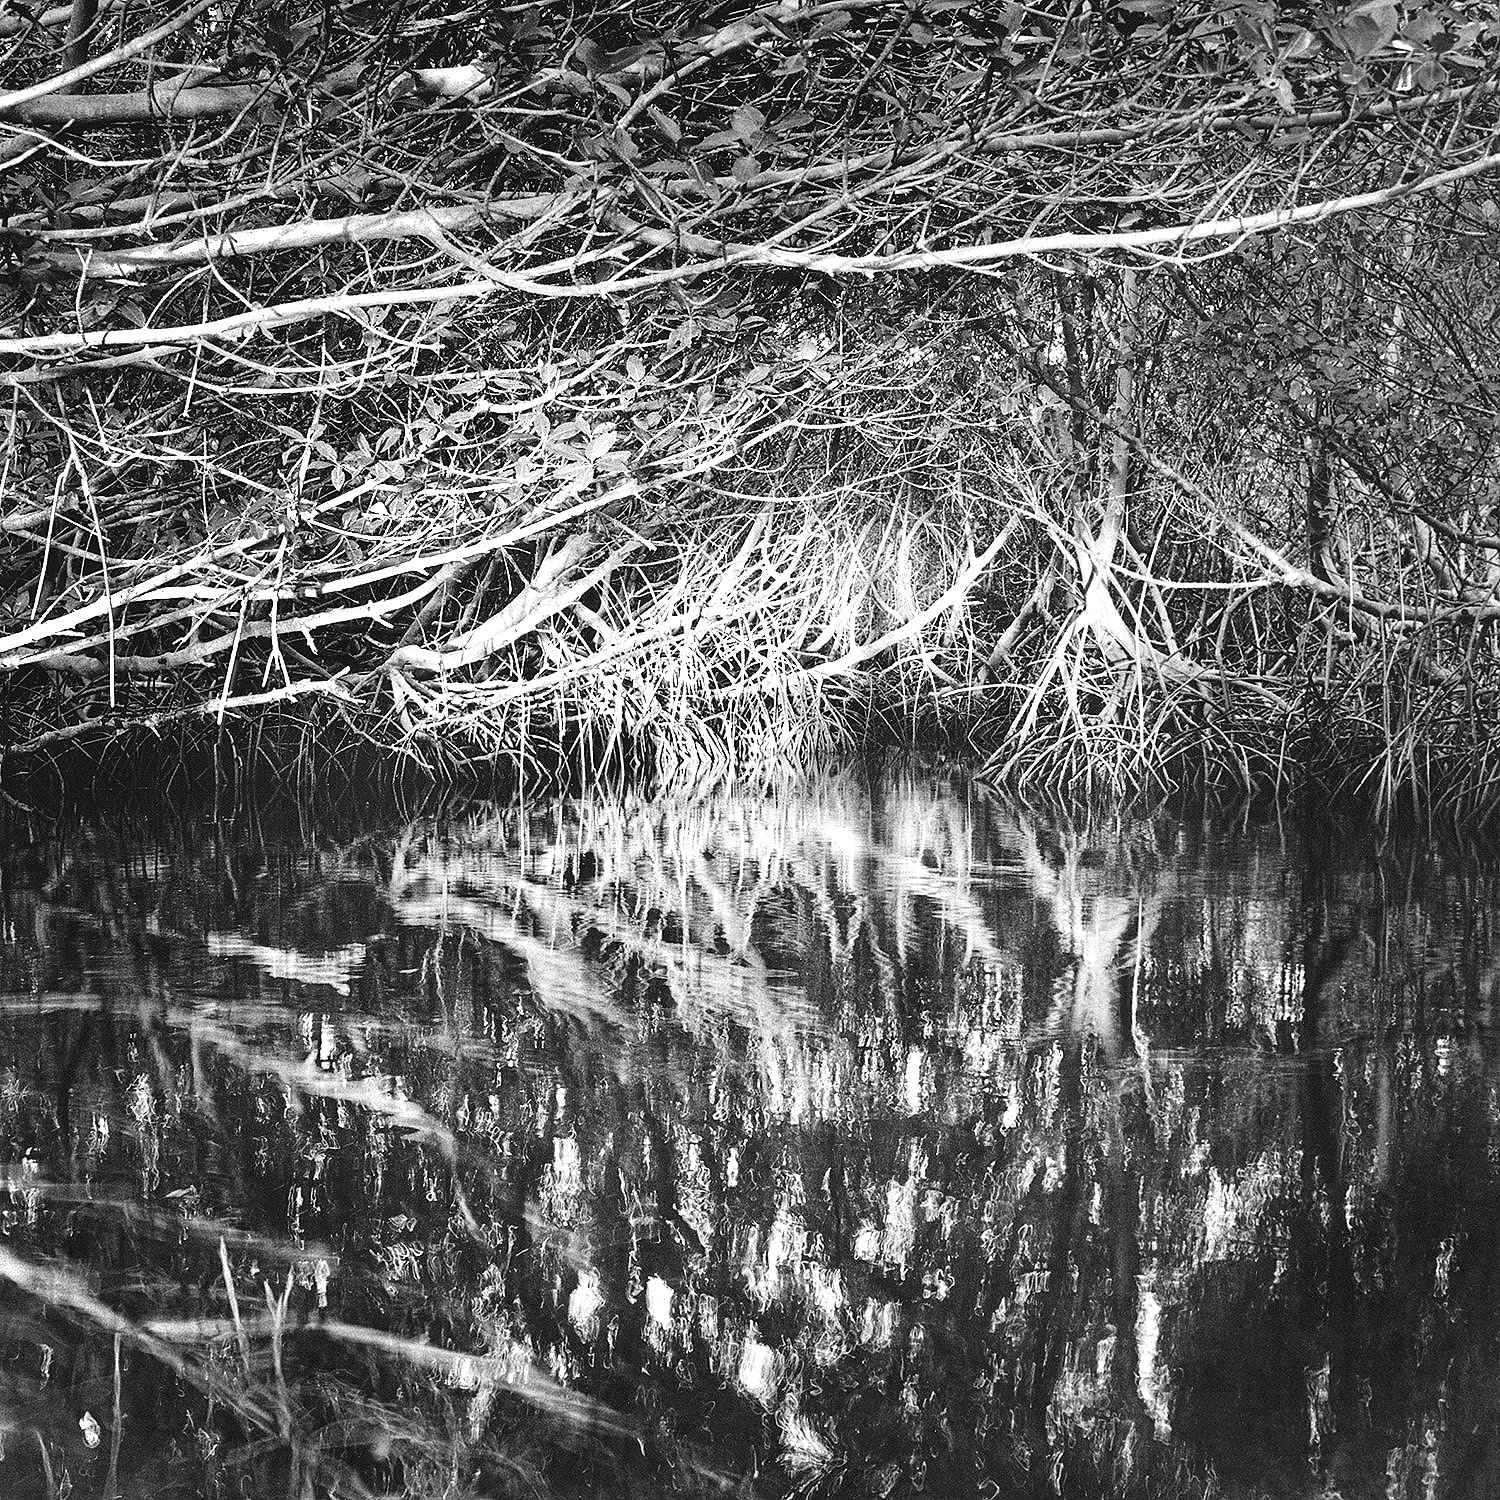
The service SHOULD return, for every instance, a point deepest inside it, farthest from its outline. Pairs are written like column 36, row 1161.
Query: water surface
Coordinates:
column 866, row 1139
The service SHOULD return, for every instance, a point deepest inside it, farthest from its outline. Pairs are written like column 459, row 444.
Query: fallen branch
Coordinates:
column 177, row 99
column 15, row 102
column 544, row 596
column 311, row 234
column 123, row 723
column 167, row 662
column 50, row 19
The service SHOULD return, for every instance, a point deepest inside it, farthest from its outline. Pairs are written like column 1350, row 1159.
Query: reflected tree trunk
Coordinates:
column 1333, row 1402
column 1054, row 1324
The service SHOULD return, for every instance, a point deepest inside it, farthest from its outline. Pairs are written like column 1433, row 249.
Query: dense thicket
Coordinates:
column 1115, row 382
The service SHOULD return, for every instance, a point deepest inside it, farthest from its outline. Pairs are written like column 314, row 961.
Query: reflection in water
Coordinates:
column 852, row 1142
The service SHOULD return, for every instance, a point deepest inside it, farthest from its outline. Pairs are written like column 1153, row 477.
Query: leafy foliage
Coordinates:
column 486, row 382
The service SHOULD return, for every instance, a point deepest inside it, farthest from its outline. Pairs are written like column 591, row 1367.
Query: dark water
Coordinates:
column 855, row 1141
